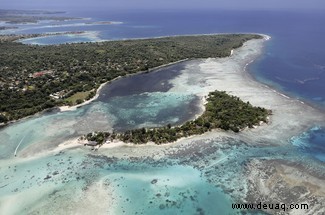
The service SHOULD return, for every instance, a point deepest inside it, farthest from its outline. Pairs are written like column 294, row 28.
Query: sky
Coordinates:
column 162, row 4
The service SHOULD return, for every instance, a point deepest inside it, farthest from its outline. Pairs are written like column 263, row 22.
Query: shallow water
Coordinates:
column 146, row 105
column 142, row 186
column 205, row 177
column 61, row 39
column 166, row 190
column 49, row 130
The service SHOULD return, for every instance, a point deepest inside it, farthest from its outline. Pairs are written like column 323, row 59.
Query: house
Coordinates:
column 91, row 143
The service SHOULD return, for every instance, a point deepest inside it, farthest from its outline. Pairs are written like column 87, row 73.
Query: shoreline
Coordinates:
column 283, row 123
column 187, row 35
column 277, row 89
column 93, row 35
column 242, row 75
column 283, row 106
column 74, row 107
column 267, row 37
column 242, row 71
column 70, row 108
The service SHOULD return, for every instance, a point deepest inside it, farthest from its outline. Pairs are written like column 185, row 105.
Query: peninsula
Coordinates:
column 221, row 111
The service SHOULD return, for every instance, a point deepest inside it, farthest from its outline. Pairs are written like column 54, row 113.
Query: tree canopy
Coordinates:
column 223, row 111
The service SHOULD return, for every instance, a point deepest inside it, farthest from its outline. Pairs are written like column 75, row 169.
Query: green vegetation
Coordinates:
column 99, row 137
column 222, row 111
column 79, row 97
column 34, row 78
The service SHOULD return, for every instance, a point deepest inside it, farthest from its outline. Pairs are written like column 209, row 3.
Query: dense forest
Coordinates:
column 221, row 111
column 34, row 78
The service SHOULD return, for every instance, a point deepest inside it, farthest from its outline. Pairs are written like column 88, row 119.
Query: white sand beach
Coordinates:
column 71, row 108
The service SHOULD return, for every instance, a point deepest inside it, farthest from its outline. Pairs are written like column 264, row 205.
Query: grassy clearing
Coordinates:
column 78, row 97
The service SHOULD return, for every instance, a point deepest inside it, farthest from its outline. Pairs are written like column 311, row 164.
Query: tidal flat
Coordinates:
column 198, row 175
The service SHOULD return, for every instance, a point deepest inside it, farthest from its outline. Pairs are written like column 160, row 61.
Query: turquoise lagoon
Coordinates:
column 202, row 179
column 58, row 183
column 65, row 38
column 117, row 108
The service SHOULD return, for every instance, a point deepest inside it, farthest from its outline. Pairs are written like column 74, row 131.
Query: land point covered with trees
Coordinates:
column 221, row 111
column 30, row 16
column 34, row 78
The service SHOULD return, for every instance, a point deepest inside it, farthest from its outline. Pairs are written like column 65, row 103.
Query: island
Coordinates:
column 222, row 111
column 34, row 78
